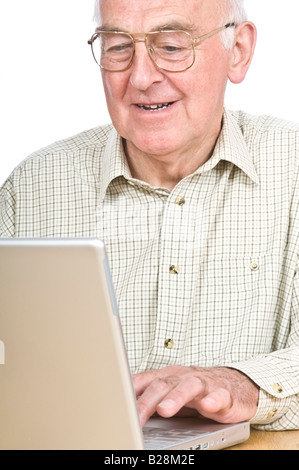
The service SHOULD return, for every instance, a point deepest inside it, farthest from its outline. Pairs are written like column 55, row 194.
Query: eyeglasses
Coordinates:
column 170, row 50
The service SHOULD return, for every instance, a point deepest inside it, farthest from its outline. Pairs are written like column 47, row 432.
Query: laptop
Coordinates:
column 65, row 381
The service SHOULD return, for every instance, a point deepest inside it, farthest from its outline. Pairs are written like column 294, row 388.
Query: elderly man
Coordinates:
column 198, row 208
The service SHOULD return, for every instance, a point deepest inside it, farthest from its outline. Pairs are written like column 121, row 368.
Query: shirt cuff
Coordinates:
column 270, row 409
column 277, row 387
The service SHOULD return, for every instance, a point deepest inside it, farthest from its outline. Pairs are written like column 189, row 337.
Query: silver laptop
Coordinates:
column 64, row 376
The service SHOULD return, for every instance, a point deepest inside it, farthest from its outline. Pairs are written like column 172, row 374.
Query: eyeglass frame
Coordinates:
column 194, row 42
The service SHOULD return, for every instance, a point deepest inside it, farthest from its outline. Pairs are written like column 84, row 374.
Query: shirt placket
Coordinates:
column 179, row 235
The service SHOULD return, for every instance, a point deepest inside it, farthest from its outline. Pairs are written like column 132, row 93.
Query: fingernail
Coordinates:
column 168, row 403
column 210, row 402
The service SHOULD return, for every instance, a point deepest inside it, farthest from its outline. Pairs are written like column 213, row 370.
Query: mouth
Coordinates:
column 155, row 107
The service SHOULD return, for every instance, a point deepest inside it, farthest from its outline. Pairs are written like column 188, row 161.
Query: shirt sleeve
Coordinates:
column 7, row 210
column 277, row 375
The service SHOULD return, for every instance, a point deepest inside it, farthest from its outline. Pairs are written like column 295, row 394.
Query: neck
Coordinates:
column 168, row 169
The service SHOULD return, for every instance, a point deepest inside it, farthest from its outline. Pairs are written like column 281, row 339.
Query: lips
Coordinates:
column 154, row 107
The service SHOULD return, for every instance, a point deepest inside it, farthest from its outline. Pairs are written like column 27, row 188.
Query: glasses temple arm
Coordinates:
column 212, row 33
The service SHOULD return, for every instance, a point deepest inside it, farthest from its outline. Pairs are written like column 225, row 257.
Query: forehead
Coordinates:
column 142, row 15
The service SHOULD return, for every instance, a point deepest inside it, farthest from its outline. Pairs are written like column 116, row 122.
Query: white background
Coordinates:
column 50, row 88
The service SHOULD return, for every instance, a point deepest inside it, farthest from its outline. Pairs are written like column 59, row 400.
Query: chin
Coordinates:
column 161, row 144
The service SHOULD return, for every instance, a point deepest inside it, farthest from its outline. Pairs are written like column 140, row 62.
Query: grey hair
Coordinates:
column 231, row 11
column 96, row 15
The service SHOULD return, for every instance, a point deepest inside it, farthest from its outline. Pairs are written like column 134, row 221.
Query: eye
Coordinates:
column 115, row 43
column 119, row 48
column 172, row 45
column 172, row 48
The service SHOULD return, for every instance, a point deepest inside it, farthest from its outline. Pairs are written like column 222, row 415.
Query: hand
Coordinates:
column 221, row 394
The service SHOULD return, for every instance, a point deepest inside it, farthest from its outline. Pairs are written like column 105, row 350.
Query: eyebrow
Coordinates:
column 176, row 26
column 172, row 26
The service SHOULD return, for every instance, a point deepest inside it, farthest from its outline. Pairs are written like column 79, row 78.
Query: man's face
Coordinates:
column 196, row 95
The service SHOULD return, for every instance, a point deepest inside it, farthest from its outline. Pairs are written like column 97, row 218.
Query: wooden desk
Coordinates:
column 260, row 440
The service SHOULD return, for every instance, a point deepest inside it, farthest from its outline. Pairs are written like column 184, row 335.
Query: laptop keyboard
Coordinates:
column 158, row 438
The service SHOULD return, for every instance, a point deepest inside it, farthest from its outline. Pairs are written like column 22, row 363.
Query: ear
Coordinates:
column 242, row 51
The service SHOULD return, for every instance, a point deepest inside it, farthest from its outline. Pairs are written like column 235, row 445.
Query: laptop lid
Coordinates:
column 65, row 381
column 64, row 375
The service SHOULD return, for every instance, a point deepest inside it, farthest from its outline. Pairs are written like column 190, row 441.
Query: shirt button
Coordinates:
column 168, row 343
column 272, row 413
column 180, row 201
column 174, row 269
column 278, row 388
column 254, row 266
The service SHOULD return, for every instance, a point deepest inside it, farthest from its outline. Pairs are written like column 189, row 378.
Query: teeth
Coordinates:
column 154, row 107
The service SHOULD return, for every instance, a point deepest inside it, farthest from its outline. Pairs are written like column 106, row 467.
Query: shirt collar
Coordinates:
column 114, row 162
column 230, row 146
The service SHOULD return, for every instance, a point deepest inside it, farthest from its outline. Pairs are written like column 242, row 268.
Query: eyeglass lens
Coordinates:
column 170, row 50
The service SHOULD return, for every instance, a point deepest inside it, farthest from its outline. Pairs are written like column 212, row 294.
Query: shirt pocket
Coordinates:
column 231, row 275
column 235, row 304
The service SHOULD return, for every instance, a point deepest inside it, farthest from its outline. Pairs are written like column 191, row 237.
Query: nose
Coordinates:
column 144, row 72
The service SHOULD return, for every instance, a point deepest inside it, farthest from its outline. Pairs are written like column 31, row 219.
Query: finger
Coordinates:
column 143, row 380
column 217, row 401
column 186, row 391
column 157, row 390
